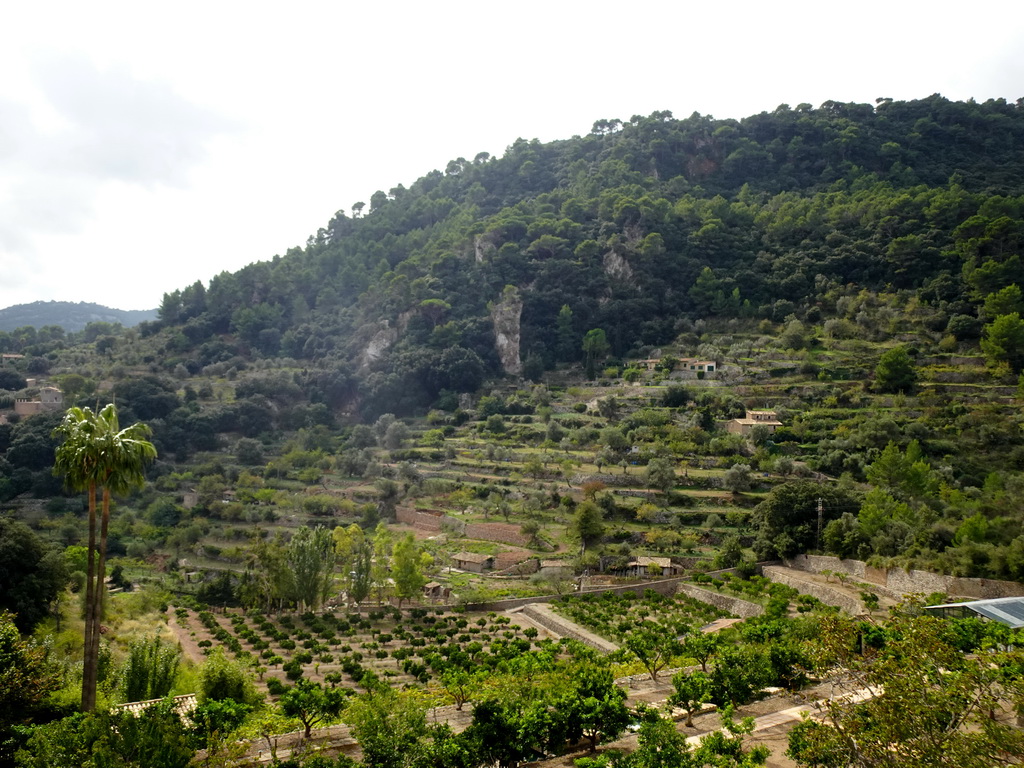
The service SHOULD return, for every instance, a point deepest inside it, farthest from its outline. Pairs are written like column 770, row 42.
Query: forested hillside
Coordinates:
column 630, row 229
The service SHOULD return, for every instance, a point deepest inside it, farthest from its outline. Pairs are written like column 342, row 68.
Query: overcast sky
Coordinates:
column 145, row 146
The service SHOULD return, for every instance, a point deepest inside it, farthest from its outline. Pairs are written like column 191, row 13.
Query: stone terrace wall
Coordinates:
column 520, row 566
column 563, row 627
column 427, row 521
column 978, row 589
column 503, row 533
column 827, row 595
column 734, row 605
column 662, row 587
column 819, row 563
column 899, row 582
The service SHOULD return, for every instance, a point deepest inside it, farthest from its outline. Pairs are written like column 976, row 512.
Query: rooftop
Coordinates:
column 472, row 557
column 1005, row 610
column 664, row 562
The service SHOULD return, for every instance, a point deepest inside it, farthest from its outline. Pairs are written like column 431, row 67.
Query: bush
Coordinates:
column 275, row 687
column 293, row 670
column 221, row 679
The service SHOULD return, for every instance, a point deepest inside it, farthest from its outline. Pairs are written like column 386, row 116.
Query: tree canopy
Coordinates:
column 32, row 574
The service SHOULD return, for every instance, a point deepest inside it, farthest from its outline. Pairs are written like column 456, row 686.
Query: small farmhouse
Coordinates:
column 435, row 591
column 692, row 364
column 646, row 567
column 648, row 364
column 471, row 561
column 699, row 366
column 753, row 419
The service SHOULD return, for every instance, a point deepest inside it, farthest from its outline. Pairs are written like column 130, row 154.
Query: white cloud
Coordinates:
column 117, row 127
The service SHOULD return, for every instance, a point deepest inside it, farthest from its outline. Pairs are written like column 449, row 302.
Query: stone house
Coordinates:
column 753, row 419
column 471, row 561
column 649, row 364
column 698, row 366
column 50, row 399
column 683, row 364
column 646, row 567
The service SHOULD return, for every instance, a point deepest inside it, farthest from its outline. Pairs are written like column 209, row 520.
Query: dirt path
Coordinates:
column 189, row 644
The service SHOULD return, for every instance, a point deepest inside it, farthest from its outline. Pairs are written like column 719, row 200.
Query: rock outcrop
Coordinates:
column 617, row 268
column 505, row 314
column 379, row 344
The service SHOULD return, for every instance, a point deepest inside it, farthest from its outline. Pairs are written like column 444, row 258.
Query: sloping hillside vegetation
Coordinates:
column 69, row 316
column 855, row 268
column 632, row 229
column 665, row 350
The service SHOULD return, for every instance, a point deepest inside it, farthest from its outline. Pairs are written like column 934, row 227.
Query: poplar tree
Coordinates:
column 311, row 558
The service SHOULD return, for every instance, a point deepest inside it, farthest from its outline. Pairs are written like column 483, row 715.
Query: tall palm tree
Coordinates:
column 77, row 460
column 96, row 452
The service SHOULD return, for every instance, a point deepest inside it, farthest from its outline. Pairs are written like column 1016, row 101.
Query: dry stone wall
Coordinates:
column 819, row 563
column 734, row 605
column 826, row 594
column 662, row 587
column 425, row 521
column 525, row 567
column 898, row 582
column 503, row 533
column 561, row 626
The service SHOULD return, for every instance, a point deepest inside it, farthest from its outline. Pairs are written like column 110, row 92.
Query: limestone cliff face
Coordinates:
column 385, row 334
column 483, row 246
column 379, row 344
column 505, row 314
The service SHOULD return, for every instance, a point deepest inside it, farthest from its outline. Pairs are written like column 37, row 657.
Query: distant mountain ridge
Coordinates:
column 69, row 315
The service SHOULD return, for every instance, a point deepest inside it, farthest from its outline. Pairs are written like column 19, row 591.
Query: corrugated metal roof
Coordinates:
column 1005, row 610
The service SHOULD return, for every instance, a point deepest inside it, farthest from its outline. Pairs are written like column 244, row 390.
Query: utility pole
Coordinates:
column 817, row 538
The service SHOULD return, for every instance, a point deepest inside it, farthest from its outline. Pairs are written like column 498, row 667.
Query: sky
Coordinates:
column 144, row 146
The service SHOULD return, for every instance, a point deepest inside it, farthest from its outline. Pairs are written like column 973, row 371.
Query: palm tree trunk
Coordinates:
column 90, row 661
column 100, row 591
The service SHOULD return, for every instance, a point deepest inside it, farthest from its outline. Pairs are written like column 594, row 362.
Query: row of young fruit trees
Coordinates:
column 530, row 695
column 454, row 657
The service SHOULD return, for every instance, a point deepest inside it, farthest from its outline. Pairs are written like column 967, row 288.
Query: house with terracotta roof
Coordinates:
column 698, row 366
column 763, row 418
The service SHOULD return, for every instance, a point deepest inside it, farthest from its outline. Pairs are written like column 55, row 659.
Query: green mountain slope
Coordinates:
column 68, row 315
column 632, row 227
